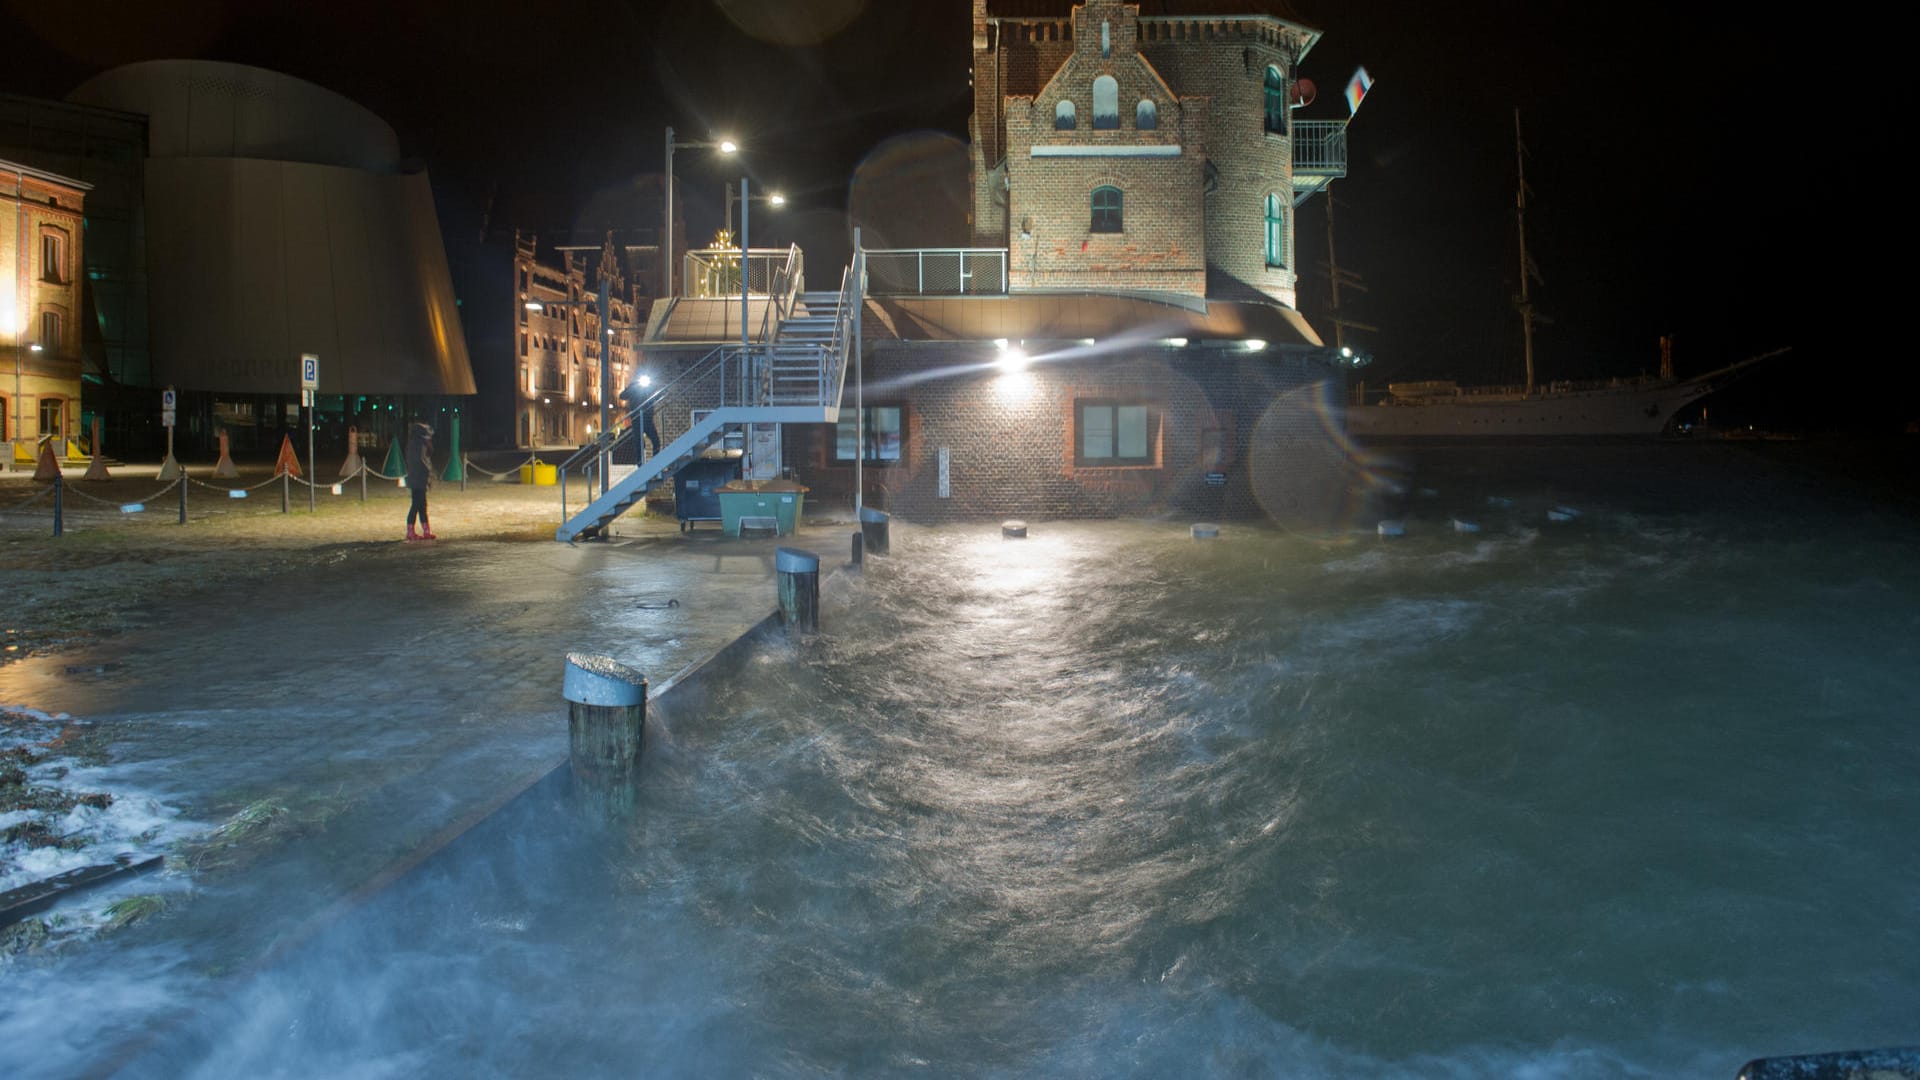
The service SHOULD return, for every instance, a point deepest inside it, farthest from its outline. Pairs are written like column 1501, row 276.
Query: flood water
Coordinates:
column 1634, row 794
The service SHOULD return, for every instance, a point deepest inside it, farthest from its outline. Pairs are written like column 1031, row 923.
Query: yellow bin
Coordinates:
column 540, row 474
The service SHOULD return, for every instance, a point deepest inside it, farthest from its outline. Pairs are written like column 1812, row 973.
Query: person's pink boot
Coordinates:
column 426, row 530
column 411, row 535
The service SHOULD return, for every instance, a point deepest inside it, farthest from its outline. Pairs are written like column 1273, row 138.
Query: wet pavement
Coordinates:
column 385, row 695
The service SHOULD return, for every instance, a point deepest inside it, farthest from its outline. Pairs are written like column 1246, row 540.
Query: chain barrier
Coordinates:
column 216, row 487
column 117, row 503
column 532, row 459
column 19, row 506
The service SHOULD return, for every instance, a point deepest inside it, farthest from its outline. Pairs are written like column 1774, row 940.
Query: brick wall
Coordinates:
column 1258, row 418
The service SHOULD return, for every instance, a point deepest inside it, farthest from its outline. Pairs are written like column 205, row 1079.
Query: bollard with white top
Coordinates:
column 1013, row 530
column 798, row 574
column 606, row 714
column 1204, row 531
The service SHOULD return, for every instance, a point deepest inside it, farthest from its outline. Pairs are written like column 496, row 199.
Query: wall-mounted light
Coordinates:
column 1253, row 344
column 1012, row 359
column 1177, row 342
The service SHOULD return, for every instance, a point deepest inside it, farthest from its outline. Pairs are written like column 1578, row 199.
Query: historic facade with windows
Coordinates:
column 40, row 239
column 557, row 350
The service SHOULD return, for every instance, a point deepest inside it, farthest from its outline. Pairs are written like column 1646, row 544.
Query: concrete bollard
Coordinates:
column 1013, row 530
column 799, row 581
column 1204, row 531
column 606, row 715
column 859, row 554
column 874, row 526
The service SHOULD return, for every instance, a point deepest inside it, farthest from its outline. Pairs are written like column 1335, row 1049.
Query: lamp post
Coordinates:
column 776, row 199
column 725, row 146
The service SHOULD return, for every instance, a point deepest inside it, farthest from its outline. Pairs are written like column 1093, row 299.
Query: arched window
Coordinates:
column 1106, row 209
column 1145, row 116
column 1276, row 101
column 1276, row 231
column 1063, row 116
column 1106, row 103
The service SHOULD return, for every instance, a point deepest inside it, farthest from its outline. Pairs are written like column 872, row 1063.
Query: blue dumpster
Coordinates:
column 696, row 489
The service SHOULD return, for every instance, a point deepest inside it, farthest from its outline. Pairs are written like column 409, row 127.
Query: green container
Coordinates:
column 782, row 506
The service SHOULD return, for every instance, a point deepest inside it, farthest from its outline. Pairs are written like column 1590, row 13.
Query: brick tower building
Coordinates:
column 1142, row 146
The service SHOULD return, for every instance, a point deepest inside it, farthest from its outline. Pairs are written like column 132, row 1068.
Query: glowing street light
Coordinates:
column 725, row 146
column 1012, row 359
column 776, row 199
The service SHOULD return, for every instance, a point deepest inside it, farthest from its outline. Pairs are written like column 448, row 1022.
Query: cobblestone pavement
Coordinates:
column 383, row 692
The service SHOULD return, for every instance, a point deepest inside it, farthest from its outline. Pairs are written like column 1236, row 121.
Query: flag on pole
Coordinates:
column 1357, row 88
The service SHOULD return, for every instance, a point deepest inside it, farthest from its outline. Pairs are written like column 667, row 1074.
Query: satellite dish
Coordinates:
column 1303, row 92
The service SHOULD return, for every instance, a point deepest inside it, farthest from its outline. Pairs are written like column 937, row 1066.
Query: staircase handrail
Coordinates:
column 850, row 295
column 607, row 442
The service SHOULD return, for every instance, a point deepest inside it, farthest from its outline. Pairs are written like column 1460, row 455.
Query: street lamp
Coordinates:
column 776, row 199
column 725, row 146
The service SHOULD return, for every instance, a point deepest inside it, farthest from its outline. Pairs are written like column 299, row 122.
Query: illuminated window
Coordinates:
column 53, row 256
column 1063, row 116
column 1114, row 432
column 1276, row 231
column 53, row 412
column 1106, row 209
column 1106, row 103
column 1145, row 116
column 882, row 431
column 1276, row 101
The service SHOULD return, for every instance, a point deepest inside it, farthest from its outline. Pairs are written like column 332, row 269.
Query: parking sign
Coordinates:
column 309, row 371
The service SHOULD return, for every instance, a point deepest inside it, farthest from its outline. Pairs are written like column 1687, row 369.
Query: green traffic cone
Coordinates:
column 456, row 465
column 395, row 466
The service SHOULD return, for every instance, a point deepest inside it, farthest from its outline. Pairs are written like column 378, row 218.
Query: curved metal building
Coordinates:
column 279, row 222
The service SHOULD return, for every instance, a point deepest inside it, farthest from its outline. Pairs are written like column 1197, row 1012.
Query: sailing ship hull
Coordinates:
column 1642, row 410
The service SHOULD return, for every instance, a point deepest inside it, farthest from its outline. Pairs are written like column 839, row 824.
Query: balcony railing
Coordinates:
column 936, row 271
column 712, row 273
column 1320, row 146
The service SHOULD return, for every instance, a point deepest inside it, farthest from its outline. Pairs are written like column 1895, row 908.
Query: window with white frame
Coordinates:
column 50, row 331
column 53, row 255
column 1106, row 103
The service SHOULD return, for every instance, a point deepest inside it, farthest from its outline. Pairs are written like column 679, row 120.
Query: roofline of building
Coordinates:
column 42, row 174
column 76, row 107
column 1311, row 34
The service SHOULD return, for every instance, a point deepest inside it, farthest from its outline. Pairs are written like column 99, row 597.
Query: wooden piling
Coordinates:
column 606, row 716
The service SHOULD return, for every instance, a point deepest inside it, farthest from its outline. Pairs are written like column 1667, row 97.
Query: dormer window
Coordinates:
column 1145, row 116
column 1106, row 103
column 1063, row 116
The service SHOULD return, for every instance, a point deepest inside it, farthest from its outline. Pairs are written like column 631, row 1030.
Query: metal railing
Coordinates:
column 1320, row 146
column 714, row 273
column 937, row 272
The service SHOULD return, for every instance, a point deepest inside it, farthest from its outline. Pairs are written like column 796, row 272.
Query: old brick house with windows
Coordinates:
column 40, row 244
column 1121, row 338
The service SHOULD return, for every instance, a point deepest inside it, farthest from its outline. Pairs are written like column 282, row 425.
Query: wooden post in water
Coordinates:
column 874, row 525
column 606, row 714
column 799, row 579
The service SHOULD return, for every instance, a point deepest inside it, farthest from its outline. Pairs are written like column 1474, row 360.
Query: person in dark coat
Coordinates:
column 637, row 394
column 419, row 478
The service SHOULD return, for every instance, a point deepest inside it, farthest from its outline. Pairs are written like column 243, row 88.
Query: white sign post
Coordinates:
column 309, row 385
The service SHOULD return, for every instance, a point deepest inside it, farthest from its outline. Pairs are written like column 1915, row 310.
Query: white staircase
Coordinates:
column 796, row 377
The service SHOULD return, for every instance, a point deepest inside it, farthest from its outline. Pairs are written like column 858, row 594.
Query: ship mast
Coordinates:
column 1525, row 302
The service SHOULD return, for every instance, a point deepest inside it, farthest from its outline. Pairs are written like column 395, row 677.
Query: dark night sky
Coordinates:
column 1654, row 208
